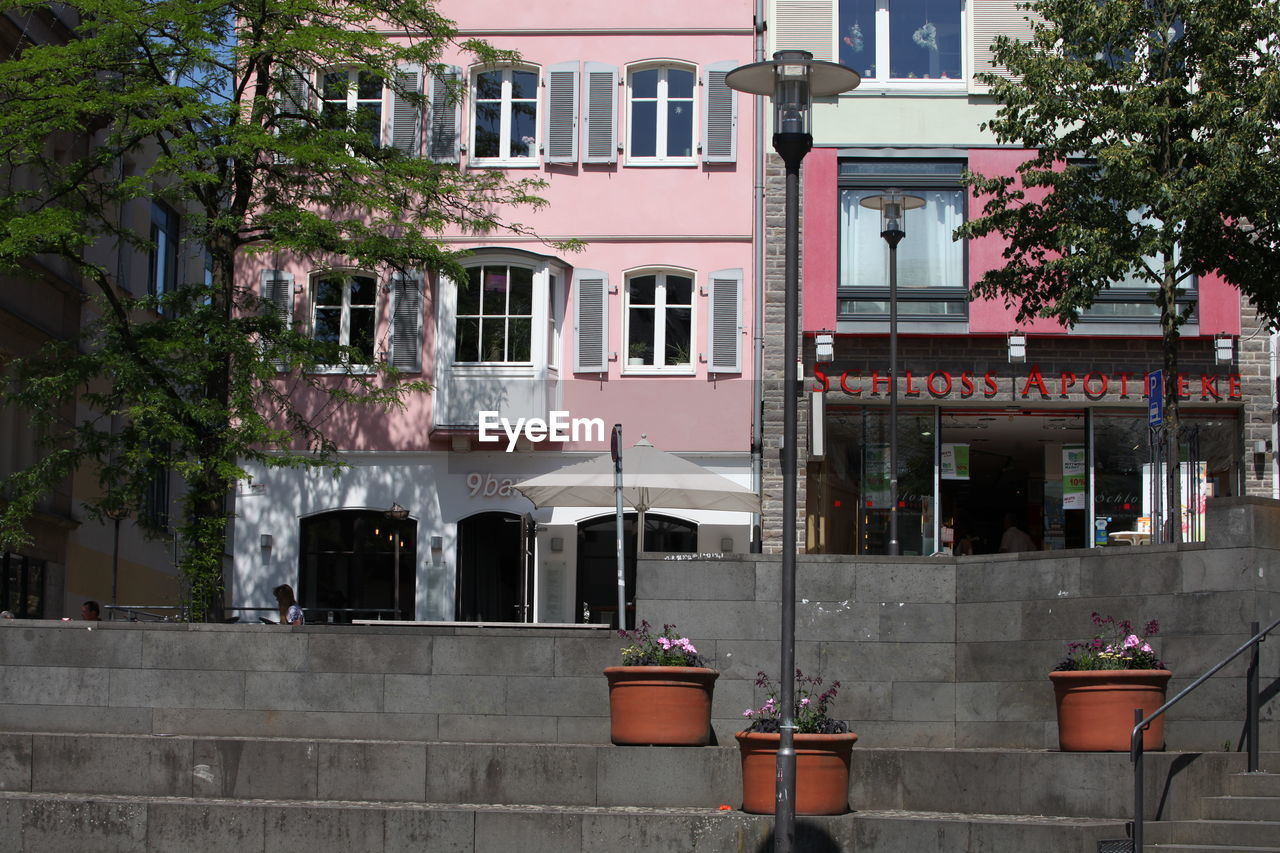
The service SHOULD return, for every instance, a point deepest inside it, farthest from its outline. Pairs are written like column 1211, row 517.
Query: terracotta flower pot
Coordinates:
column 1095, row 708
column 660, row 705
column 822, row 772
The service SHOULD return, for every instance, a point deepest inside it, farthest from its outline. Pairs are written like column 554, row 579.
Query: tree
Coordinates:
column 1153, row 124
column 210, row 107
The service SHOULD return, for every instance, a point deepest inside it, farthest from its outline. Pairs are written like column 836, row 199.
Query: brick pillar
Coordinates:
column 1254, row 362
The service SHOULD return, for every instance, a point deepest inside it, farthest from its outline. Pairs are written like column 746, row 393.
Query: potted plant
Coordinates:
column 661, row 694
column 823, row 748
column 1100, row 684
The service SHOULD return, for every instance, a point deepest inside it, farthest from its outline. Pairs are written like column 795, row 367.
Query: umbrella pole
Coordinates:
column 616, row 447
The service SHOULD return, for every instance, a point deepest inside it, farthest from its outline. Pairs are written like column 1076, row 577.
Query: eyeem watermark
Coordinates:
column 558, row 427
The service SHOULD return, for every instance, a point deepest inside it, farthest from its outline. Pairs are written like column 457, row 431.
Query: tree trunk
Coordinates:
column 1170, row 322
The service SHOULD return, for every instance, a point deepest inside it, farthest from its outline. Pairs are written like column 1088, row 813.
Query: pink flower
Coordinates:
column 1146, row 647
column 804, row 701
column 1132, row 641
column 748, row 713
column 665, row 643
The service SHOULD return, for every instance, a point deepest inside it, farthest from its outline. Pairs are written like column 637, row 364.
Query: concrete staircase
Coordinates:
column 1246, row 818
column 159, row 793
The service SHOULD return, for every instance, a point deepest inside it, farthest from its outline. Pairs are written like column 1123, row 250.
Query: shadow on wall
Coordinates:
column 810, row 837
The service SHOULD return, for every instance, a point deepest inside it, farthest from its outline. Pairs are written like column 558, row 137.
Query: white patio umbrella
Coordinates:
column 650, row 479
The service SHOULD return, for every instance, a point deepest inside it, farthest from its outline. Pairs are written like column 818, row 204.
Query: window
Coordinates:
column 505, row 125
column 162, row 275
column 22, row 585
column 1132, row 298
column 344, row 312
column 931, row 265
column 659, row 312
column 660, row 115
column 914, row 40
column 350, row 94
column 495, row 315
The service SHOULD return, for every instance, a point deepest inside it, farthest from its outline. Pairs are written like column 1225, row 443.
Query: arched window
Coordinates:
column 659, row 321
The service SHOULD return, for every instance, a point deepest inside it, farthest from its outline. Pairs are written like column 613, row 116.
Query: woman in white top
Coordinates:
column 290, row 612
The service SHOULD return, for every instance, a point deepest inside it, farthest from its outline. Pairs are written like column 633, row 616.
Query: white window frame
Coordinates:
column 535, row 316
column 354, row 101
column 344, row 323
column 660, row 130
column 504, row 157
column 660, row 327
column 882, row 59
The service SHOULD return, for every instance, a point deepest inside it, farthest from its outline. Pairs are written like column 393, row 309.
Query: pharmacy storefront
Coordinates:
column 1059, row 447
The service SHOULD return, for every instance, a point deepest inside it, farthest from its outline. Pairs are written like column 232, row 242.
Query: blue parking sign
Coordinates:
column 1155, row 398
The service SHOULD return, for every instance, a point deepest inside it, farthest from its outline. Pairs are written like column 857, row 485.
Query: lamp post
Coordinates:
column 893, row 206
column 792, row 78
column 397, row 514
column 117, row 514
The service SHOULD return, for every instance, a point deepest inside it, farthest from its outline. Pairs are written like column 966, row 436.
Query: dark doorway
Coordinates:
column 598, row 560
column 494, row 568
column 348, row 566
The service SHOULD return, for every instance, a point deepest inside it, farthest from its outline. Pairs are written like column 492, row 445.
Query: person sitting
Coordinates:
column 290, row 612
column 1014, row 539
column 90, row 611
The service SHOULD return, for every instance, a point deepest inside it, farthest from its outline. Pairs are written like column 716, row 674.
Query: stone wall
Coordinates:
column 954, row 652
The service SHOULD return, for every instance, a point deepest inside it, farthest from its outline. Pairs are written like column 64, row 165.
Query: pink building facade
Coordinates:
column 650, row 161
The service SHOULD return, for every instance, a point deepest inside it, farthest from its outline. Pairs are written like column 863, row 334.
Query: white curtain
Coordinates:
column 927, row 256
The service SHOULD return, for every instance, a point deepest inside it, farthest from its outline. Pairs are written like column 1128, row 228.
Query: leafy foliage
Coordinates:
column 811, row 707
column 186, row 102
column 1152, row 125
column 666, row 649
column 1115, row 646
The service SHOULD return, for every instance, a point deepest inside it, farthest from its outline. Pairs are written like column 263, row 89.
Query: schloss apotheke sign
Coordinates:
column 1034, row 384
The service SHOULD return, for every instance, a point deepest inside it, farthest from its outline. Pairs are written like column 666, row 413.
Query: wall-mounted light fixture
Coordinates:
column 826, row 347
column 265, row 541
column 1017, row 348
column 1224, row 349
column 437, row 543
column 726, row 545
column 557, row 544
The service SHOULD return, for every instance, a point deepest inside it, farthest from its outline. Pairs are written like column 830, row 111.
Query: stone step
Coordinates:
column 1238, row 834
column 1260, row 784
column 1191, row 848
column 1019, row 782
column 54, row 823
column 1240, row 808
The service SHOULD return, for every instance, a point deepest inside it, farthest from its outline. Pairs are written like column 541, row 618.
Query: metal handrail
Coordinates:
column 1251, row 720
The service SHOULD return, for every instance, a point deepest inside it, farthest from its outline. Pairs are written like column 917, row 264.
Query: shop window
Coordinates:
column 931, row 264
column 902, row 40
column 659, row 315
column 504, row 128
column 348, row 566
column 661, row 115
column 344, row 308
column 22, row 585
column 494, row 319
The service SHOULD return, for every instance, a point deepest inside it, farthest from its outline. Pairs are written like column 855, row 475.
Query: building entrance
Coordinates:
column 1023, row 469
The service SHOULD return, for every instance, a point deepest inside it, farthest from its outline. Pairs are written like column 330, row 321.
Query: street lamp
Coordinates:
column 792, row 79
column 116, row 513
column 397, row 514
column 893, row 205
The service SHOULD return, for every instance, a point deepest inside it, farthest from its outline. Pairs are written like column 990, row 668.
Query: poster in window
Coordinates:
column 954, row 463
column 1073, row 477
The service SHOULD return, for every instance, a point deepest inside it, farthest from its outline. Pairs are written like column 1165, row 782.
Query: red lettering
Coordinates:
column 966, row 384
column 946, row 389
column 1036, row 378
column 1209, row 387
column 1101, row 392
column 1066, row 380
column 911, row 390
column 877, row 380
column 820, row 380
column 991, row 387
column 1183, row 389
column 1233, row 387
column 844, row 383
column 1124, row 384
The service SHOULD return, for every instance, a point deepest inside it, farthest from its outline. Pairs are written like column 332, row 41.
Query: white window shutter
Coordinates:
column 988, row 19
column 277, row 293
column 562, row 113
column 724, row 322
column 600, row 114
column 406, row 111
column 406, row 322
column 805, row 25
column 444, row 110
column 720, row 122
column 590, row 321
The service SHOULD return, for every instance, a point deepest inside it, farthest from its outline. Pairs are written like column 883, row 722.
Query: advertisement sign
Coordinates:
column 1074, row 481
column 955, row 462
